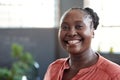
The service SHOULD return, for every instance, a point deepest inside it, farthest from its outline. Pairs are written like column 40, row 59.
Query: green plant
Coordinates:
column 20, row 67
column 99, row 49
column 111, row 51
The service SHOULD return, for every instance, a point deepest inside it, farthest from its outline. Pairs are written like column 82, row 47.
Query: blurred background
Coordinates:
column 34, row 25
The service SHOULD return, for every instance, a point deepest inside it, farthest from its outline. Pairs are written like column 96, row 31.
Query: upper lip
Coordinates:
column 71, row 39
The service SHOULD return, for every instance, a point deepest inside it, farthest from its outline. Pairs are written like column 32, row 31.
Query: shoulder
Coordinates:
column 107, row 64
column 110, row 68
column 54, row 68
column 58, row 63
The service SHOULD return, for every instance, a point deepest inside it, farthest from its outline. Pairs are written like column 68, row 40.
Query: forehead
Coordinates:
column 74, row 14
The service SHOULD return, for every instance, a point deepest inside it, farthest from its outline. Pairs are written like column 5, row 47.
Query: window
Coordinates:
column 27, row 13
column 107, row 34
column 111, row 13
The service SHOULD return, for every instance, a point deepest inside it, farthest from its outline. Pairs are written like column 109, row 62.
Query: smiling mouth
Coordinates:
column 73, row 42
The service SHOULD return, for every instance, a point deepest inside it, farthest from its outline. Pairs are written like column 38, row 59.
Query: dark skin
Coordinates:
column 75, row 35
column 77, row 63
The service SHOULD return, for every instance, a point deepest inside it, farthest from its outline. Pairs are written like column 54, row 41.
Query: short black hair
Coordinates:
column 93, row 15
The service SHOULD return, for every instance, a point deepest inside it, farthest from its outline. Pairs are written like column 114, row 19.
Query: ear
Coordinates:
column 92, row 33
column 92, row 29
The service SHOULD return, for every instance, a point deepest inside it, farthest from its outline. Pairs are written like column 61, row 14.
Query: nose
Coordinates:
column 72, row 33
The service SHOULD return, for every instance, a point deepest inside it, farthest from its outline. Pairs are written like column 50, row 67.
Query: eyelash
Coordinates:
column 64, row 27
column 78, row 26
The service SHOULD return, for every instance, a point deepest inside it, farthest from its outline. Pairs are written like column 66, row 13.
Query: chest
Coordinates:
column 69, row 74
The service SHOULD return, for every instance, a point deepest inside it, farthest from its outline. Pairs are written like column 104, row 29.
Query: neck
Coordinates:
column 83, row 60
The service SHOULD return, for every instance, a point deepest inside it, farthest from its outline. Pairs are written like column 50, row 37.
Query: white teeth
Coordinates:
column 73, row 41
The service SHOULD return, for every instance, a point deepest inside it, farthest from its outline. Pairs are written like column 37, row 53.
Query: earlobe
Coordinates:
column 93, row 34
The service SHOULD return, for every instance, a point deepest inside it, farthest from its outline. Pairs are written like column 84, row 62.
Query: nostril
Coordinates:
column 72, row 34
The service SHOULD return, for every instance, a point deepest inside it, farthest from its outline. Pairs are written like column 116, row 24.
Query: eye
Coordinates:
column 64, row 27
column 78, row 27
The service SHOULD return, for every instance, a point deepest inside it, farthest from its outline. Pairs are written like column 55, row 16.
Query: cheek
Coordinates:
column 88, row 39
column 89, row 33
column 60, row 36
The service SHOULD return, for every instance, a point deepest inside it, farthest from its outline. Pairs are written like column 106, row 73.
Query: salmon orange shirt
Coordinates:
column 102, row 70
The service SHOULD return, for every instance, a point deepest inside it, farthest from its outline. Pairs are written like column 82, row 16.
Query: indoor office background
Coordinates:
column 34, row 25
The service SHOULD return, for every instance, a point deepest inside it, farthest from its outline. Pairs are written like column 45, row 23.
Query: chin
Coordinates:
column 74, row 51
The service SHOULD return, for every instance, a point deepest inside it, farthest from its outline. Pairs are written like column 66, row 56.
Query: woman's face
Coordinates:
column 76, row 32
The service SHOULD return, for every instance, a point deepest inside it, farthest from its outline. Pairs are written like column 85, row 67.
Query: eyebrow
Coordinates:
column 77, row 21
column 74, row 21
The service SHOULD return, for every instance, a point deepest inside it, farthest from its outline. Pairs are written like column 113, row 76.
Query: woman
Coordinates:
column 75, row 34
